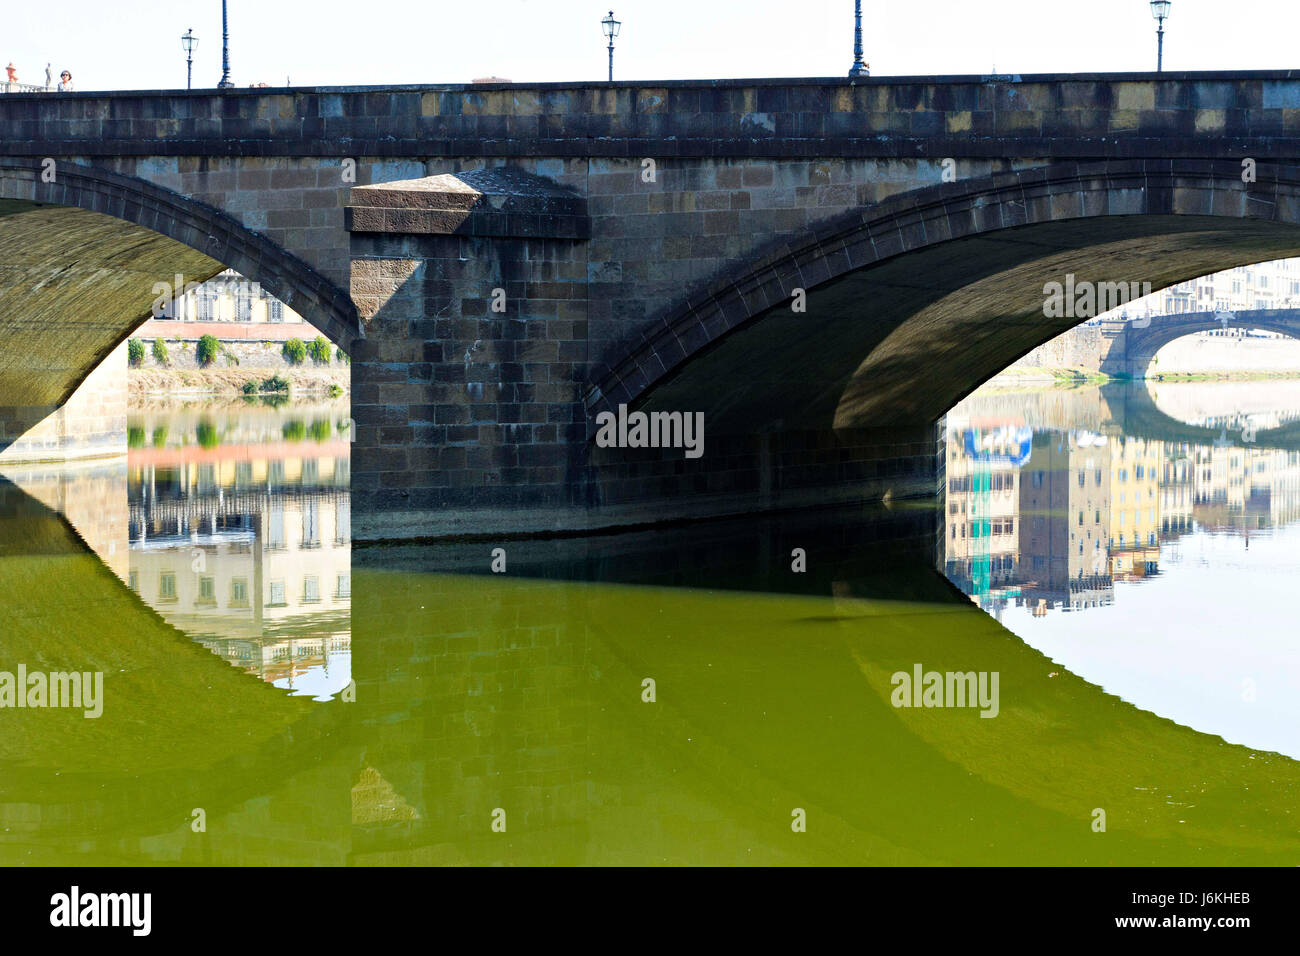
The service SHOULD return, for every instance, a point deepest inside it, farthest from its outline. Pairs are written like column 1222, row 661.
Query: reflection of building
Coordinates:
column 1081, row 512
column 1238, row 489
column 250, row 554
column 1177, row 490
column 1136, row 469
column 981, row 505
column 1064, row 521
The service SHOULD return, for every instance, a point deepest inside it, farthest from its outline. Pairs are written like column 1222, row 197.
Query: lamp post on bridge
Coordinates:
column 859, row 68
column 226, row 82
column 1160, row 10
column 611, row 28
column 189, row 41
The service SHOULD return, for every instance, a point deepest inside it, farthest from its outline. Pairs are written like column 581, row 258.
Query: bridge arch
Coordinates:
column 78, row 243
column 913, row 302
column 1144, row 342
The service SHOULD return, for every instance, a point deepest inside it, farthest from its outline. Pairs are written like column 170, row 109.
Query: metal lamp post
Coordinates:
column 189, row 41
column 1160, row 10
column 226, row 82
column 859, row 68
column 611, row 27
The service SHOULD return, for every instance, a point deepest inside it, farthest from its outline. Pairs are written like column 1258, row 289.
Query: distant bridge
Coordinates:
column 1130, row 348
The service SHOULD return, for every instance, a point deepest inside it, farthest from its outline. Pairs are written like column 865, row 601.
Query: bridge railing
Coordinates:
column 7, row 87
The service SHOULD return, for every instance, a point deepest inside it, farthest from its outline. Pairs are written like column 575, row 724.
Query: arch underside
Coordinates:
column 79, row 260
column 73, row 285
column 913, row 303
column 903, row 342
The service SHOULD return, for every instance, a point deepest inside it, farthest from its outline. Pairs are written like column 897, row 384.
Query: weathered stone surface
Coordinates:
column 497, row 201
column 521, row 259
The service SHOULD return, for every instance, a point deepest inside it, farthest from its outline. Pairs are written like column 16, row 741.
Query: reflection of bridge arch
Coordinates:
column 1135, row 413
column 1139, row 343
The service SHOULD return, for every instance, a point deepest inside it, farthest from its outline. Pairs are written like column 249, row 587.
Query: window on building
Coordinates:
column 167, row 586
column 277, row 594
column 239, row 592
column 310, row 590
column 274, row 310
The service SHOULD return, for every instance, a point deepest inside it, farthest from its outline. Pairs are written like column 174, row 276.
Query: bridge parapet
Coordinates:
column 1175, row 115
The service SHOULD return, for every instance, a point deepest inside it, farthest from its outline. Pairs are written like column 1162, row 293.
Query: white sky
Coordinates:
column 134, row 44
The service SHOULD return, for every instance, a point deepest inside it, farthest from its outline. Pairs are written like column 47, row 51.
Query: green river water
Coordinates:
column 290, row 699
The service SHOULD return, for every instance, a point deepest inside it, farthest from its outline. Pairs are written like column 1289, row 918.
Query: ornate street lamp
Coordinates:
column 1160, row 10
column 859, row 68
column 189, row 41
column 226, row 82
column 611, row 26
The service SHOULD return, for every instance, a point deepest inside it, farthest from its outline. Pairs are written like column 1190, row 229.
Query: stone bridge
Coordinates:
column 1131, row 348
column 820, row 267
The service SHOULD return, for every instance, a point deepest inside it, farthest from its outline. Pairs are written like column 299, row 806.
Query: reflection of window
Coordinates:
column 343, row 589
column 310, row 590
column 275, row 473
column 275, row 527
column 207, row 591
column 342, row 521
column 239, row 592
column 243, row 474
column 167, row 586
column 277, row 594
column 310, row 524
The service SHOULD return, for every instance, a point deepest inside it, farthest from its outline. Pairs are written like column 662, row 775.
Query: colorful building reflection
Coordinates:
column 1048, row 519
column 240, row 536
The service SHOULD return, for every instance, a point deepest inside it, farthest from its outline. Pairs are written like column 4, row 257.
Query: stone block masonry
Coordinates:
column 504, row 262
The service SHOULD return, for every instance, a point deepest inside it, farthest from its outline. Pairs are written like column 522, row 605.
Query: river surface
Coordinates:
column 723, row 693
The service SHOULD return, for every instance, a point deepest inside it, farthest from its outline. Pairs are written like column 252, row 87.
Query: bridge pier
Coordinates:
column 469, row 388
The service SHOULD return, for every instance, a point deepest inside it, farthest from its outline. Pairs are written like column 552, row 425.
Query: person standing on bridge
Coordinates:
column 65, row 82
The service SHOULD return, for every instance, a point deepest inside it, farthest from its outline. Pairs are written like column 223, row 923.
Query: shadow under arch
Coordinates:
column 915, row 301
column 79, row 257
